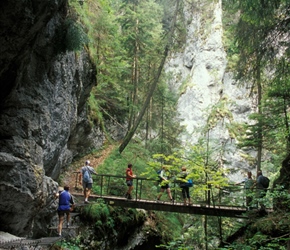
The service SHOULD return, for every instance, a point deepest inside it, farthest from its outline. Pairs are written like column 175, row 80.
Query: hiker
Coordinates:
column 86, row 179
column 65, row 206
column 129, row 181
column 260, row 189
column 184, row 186
column 248, row 184
column 164, row 184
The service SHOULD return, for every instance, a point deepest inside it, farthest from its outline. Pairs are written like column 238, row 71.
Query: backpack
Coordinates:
column 159, row 177
column 265, row 182
column 87, row 176
column 189, row 183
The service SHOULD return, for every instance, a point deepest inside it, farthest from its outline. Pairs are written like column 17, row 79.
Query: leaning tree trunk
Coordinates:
column 143, row 110
column 153, row 85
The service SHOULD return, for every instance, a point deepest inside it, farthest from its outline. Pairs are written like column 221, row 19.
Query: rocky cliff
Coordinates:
column 199, row 73
column 43, row 116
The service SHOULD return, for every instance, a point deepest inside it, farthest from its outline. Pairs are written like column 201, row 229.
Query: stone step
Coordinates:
column 74, row 214
column 65, row 227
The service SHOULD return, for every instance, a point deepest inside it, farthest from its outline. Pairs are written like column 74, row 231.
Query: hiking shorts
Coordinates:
column 129, row 183
column 166, row 186
column 185, row 192
column 61, row 213
column 87, row 185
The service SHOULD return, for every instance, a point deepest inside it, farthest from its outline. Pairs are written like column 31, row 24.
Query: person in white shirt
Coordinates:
column 87, row 184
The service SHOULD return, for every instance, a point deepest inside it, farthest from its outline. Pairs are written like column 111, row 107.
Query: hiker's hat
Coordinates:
column 88, row 162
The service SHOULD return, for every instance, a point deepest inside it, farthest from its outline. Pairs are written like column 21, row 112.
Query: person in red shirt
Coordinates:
column 129, row 181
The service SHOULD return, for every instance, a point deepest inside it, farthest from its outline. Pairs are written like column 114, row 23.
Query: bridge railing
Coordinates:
column 148, row 189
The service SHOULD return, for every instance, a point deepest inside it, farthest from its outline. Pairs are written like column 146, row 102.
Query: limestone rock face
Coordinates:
column 199, row 74
column 43, row 119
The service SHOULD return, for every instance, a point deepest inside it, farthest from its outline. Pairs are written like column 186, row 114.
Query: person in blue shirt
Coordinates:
column 65, row 206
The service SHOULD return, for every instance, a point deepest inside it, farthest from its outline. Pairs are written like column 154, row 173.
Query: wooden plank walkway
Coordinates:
column 28, row 242
column 223, row 211
column 45, row 241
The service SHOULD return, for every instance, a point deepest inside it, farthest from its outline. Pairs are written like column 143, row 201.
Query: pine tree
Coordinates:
column 152, row 83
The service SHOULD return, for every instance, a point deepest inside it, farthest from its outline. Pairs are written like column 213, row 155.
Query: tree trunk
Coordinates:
column 145, row 105
column 131, row 133
column 260, row 134
column 283, row 180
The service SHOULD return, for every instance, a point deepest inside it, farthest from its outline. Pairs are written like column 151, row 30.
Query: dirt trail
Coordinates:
column 96, row 159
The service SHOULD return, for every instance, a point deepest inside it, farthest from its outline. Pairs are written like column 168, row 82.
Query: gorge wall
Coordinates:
column 43, row 116
column 198, row 72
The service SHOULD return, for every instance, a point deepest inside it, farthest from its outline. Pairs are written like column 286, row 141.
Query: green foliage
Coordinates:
column 75, row 38
column 108, row 98
column 263, row 65
column 96, row 213
column 271, row 127
column 236, row 130
column 163, row 119
column 254, row 27
column 95, row 114
column 276, row 103
column 125, row 40
column 194, row 160
column 192, row 236
column 104, row 220
column 204, row 176
column 71, row 36
column 72, row 244
column 219, row 112
column 269, row 232
column 116, row 163
column 166, row 222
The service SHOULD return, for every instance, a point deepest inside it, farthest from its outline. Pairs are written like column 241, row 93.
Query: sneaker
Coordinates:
column 129, row 197
column 86, row 202
column 172, row 200
column 126, row 195
column 157, row 200
column 59, row 235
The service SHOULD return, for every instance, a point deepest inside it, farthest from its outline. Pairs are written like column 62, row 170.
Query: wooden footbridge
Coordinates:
column 177, row 207
column 224, row 202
